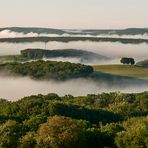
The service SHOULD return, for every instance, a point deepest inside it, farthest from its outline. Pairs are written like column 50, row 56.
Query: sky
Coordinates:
column 74, row 14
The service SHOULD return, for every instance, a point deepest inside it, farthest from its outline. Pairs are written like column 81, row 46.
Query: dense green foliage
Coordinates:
column 103, row 120
column 135, row 134
column 48, row 69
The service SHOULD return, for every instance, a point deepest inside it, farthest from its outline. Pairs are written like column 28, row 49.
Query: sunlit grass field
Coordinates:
column 123, row 70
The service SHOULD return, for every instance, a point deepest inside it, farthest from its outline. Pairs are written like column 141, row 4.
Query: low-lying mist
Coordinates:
column 14, row 88
column 114, row 50
column 86, row 61
column 77, row 33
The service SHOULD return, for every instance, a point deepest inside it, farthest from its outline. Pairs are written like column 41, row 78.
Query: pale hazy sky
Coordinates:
column 78, row 14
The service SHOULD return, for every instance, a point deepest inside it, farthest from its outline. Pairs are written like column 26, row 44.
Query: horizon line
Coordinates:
column 1, row 27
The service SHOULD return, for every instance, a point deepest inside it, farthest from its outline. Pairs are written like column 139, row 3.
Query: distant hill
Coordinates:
column 143, row 63
column 65, row 53
column 128, row 31
column 69, row 39
column 26, row 30
column 34, row 34
column 71, row 55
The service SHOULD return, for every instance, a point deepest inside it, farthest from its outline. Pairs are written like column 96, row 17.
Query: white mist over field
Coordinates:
column 14, row 88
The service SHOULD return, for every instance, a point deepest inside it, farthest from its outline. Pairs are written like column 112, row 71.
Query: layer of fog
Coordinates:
column 76, row 33
column 15, row 88
column 82, row 61
column 72, row 60
column 114, row 50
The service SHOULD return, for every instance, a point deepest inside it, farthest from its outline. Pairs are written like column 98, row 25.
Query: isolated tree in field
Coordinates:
column 125, row 60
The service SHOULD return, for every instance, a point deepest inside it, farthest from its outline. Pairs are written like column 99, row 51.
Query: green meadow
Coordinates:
column 123, row 70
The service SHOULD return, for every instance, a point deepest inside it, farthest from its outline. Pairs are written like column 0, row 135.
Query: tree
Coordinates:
column 61, row 132
column 9, row 134
column 135, row 134
column 125, row 60
column 28, row 141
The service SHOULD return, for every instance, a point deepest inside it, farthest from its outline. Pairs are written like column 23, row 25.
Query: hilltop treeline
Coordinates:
column 47, row 69
column 103, row 120
column 69, row 39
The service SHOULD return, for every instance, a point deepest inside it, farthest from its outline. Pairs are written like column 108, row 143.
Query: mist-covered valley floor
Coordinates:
column 13, row 88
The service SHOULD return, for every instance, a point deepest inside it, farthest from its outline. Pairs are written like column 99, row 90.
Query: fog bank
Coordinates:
column 77, row 33
column 109, row 49
column 82, row 61
column 15, row 88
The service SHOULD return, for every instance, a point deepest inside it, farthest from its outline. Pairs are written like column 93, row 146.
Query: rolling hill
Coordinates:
column 65, row 53
column 39, row 54
column 38, row 30
column 123, row 70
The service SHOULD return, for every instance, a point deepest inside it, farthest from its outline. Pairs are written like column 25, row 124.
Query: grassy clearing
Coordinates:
column 123, row 70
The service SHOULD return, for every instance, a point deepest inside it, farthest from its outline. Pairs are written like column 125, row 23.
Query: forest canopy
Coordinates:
column 104, row 120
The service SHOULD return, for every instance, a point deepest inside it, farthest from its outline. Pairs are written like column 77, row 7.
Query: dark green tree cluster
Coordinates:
column 48, row 69
column 103, row 120
column 125, row 60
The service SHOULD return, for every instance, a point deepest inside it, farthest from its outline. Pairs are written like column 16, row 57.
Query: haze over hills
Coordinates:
column 26, row 30
column 95, row 44
column 65, row 53
column 128, row 31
